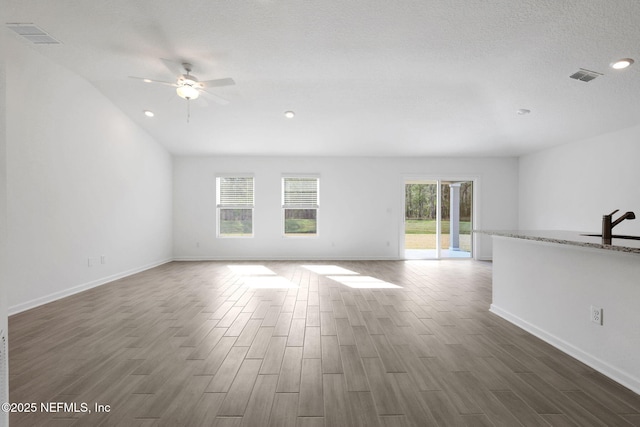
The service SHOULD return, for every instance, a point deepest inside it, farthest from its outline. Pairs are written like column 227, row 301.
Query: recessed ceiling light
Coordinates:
column 146, row 80
column 289, row 114
column 621, row 63
column 523, row 112
column 148, row 113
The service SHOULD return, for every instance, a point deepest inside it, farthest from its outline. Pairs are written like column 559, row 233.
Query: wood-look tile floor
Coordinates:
column 189, row 344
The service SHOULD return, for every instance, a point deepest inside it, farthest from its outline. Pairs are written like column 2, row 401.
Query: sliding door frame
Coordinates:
column 439, row 178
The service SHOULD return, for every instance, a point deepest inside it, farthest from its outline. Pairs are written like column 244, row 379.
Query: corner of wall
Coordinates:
column 558, row 190
column 4, row 366
column 84, row 181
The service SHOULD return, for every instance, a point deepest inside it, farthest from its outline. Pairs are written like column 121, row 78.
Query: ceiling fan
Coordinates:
column 187, row 85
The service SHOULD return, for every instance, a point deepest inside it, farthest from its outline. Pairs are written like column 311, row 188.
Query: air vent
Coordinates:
column 585, row 75
column 33, row 33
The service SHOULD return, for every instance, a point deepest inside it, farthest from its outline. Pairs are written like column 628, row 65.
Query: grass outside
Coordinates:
column 293, row 227
column 428, row 241
column 428, row 226
column 302, row 227
column 421, row 234
column 236, row 228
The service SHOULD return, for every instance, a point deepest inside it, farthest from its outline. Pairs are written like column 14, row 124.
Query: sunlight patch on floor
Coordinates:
column 328, row 269
column 349, row 278
column 260, row 277
column 364, row 282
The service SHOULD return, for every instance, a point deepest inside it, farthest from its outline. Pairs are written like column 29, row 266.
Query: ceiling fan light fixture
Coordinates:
column 187, row 92
column 187, row 85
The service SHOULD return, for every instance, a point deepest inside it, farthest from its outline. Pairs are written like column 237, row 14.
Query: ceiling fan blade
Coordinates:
column 217, row 99
column 154, row 81
column 175, row 67
column 201, row 102
column 218, row 82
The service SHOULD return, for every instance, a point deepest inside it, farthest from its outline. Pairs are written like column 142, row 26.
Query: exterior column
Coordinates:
column 454, row 217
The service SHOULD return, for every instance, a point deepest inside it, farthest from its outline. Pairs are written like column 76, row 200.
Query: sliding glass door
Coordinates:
column 438, row 218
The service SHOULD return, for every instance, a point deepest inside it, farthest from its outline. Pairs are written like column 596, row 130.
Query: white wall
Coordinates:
column 360, row 204
column 571, row 186
column 4, row 385
column 83, row 181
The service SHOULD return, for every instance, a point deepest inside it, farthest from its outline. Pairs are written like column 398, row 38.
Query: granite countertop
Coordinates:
column 574, row 238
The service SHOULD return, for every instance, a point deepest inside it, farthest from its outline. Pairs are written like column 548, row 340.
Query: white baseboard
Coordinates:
column 283, row 258
column 604, row 368
column 315, row 258
column 18, row 308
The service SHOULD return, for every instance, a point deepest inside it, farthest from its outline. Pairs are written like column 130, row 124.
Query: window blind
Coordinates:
column 300, row 192
column 235, row 191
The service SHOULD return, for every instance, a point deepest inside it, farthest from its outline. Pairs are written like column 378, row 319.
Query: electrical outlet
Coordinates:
column 596, row 315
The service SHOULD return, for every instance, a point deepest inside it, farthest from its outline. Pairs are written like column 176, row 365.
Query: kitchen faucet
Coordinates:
column 607, row 225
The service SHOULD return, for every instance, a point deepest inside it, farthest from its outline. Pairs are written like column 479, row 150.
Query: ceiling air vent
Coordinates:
column 33, row 33
column 585, row 75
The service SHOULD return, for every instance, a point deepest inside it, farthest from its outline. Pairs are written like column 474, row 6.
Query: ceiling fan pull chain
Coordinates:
column 188, row 110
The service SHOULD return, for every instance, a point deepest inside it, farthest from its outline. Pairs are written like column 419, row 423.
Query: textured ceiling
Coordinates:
column 370, row 78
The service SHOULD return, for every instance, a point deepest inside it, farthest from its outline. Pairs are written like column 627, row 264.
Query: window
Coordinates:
column 235, row 206
column 300, row 205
